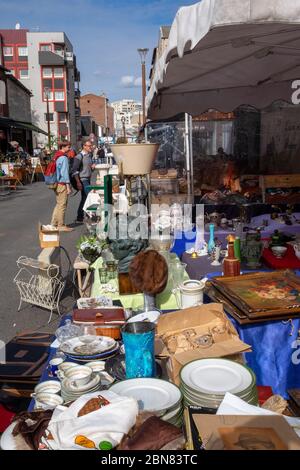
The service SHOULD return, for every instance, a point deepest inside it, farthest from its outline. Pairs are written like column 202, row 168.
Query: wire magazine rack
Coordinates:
column 39, row 284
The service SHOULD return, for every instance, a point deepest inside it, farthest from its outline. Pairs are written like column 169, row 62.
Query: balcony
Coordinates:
column 77, row 94
column 49, row 58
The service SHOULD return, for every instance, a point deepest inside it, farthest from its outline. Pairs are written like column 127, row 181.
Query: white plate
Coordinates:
column 96, row 366
column 172, row 414
column 151, row 316
column 68, row 387
column 7, row 440
column 216, row 376
column 151, row 394
column 100, row 345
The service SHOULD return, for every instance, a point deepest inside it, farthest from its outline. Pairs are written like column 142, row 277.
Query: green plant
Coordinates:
column 90, row 247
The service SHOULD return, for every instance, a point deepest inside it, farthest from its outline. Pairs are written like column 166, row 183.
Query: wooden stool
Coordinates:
column 83, row 281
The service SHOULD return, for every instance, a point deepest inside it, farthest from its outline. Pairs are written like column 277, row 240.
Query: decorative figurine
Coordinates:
column 216, row 256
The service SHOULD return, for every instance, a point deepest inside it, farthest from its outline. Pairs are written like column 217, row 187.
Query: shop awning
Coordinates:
column 226, row 53
column 11, row 123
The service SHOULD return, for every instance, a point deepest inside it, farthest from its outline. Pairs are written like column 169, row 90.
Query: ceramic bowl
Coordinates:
column 49, row 386
column 279, row 251
column 47, row 401
column 297, row 251
column 79, row 375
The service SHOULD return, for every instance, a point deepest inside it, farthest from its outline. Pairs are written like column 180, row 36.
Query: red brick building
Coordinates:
column 15, row 52
column 98, row 108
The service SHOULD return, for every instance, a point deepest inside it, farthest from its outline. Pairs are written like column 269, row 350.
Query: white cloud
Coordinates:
column 138, row 82
column 127, row 81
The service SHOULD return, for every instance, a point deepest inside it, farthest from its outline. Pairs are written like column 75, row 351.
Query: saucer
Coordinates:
column 69, row 387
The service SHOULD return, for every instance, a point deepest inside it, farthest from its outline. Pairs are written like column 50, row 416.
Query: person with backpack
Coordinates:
column 61, row 186
column 82, row 171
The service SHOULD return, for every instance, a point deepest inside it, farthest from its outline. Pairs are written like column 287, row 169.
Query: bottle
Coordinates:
column 237, row 248
column 211, row 243
column 231, row 265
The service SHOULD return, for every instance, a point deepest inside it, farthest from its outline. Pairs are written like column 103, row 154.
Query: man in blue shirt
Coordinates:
column 63, row 188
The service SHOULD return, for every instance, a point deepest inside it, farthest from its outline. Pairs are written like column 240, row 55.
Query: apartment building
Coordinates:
column 99, row 109
column 45, row 63
column 129, row 111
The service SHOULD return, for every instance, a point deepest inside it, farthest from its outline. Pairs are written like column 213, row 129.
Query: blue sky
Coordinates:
column 105, row 35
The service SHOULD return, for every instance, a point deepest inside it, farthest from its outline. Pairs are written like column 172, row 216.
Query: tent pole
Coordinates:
column 187, row 154
column 191, row 157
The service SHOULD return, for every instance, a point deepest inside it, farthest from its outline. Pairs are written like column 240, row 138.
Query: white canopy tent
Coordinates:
column 226, row 53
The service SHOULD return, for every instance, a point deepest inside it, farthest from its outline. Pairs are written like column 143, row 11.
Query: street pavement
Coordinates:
column 20, row 213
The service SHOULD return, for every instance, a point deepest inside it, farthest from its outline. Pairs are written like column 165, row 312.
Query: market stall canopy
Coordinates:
column 226, row 53
column 11, row 123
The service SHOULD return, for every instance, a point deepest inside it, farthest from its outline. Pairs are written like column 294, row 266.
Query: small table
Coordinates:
column 11, row 181
column 82, row 280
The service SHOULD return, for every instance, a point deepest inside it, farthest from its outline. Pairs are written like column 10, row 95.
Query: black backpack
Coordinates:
column 73, row 180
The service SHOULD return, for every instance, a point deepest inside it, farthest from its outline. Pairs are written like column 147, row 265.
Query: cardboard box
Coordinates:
column 231, row 432
column 208, row 320
column 48, row 238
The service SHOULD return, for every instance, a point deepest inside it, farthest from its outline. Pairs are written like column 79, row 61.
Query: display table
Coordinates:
column 186, row 240
column 165, row 301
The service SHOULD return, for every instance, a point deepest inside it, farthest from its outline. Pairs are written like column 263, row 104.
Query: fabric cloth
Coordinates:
column 84, row 192
column 107, row 424
column 82, row 165
column 58, row 216
column 289, row 260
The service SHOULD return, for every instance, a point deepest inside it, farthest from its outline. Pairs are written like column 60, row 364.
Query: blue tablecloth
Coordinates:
column 275, row 356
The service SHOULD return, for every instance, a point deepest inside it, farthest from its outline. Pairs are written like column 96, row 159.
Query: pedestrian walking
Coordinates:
column 82, row 172
column 63, row 188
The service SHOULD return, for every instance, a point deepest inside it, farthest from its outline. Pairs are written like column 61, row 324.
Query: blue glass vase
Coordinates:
column 211, row 244
column 138, row 341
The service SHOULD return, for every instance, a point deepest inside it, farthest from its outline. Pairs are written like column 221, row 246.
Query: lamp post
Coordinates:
column 143, row 54
column 47, row 92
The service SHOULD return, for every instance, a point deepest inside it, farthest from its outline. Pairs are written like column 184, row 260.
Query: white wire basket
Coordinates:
column 39, row 284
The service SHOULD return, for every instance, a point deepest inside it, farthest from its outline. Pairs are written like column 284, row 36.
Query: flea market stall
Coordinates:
column 191, row 316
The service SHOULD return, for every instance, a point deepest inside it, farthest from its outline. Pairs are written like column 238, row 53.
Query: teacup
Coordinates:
column 79, row 375
column 47, row 401
column 53, row 365
column 62, row 368
column 50, row 386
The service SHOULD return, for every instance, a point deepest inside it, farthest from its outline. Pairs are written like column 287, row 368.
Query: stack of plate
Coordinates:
column 70, row 392
column 204, row 382
column 162, row 398
column 88, row 348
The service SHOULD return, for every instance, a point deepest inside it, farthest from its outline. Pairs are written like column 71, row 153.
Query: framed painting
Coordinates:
column 266, row 294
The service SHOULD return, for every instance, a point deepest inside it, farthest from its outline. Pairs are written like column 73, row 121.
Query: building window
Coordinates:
column 51, row 117
column 62, row 117
column 58, row 72
column 59, row 95
column 24, row 73
column 58, row 84
column 47, row 72
column 58, row 49
column 8, row 53
column 50, row 95
column 23, row 51
column 45, row 47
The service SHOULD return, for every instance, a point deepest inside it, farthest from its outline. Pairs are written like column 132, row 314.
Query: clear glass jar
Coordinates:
column 67, row 331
